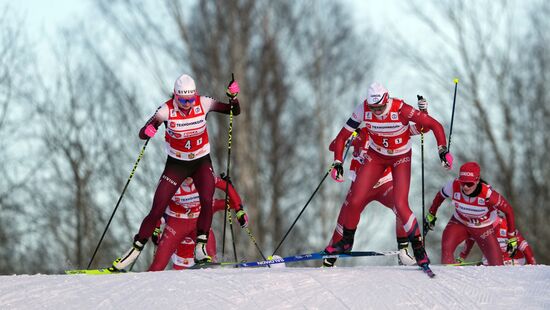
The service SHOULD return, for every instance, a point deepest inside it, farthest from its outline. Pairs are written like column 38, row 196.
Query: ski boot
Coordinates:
column 329, row 262
column 404, row 258
column 201, row 256
column 129, row 257
column 344, row 245
column 420, row 252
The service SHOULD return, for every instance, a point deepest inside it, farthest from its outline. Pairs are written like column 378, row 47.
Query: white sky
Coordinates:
column 44, row 18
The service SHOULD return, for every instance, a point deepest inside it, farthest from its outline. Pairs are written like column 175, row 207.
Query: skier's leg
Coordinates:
column 203, row 178
column 174, row 173
column 211, row 246
column 453, row 235
column 401, row 174
column 174, row 232
column 355, row 202
column 488, row 243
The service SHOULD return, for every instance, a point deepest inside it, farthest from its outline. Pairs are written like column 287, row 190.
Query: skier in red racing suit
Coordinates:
column 382, row 191
column 387, row 121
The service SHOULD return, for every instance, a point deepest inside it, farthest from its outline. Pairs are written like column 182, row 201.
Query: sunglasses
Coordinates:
column 185, row 100
column 468, row 184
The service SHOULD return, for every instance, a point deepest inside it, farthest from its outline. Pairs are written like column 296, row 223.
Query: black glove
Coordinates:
column 446, row 157
column 157, row 233
column 226, row 178
column 337, row 171
column 242, row 218
column 429, row 222
column 512, row 245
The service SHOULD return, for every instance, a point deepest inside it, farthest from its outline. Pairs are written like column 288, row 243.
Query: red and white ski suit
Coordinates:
column 188, row 156
column 389, row 147
column 181, row 225
column 474, row 217
column 523, row 255
column 383, row 189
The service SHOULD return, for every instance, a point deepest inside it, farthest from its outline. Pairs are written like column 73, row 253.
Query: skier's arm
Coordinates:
column 339, row 143
column 149, row 129
column 429, row 220
column 426, row 121
column 360, row 141
column 211, row 104
column 351, row 125
column 436, row 203
column 235, row 202
column 416, row 129
column 444, row 193
column 497, row 200
column 234, row 198
column 219, row 205
column 242, row 217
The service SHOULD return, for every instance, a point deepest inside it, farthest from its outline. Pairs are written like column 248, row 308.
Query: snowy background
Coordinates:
column 388, row 287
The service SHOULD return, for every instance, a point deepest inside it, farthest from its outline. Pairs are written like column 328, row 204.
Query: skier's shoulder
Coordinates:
column 358, row 111
column 207, row 100
column 402, row 107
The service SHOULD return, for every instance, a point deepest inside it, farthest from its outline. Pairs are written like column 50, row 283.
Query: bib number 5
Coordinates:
column 386, row 142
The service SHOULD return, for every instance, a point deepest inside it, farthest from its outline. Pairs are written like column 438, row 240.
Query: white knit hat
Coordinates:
column 185, row 86
column 375, row 94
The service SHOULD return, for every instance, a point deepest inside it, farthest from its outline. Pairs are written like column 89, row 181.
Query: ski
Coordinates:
column 100, row 271
column 296, row 258
column 474, row 263
column 427, row 270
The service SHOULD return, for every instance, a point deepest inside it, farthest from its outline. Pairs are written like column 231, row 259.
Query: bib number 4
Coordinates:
column 188, row 144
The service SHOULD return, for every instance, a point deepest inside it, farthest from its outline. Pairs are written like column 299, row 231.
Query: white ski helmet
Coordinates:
column 377, row 94
column 185, row 86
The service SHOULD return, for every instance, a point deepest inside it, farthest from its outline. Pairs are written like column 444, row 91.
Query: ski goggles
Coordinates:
column 184, row 100
column 468, row 184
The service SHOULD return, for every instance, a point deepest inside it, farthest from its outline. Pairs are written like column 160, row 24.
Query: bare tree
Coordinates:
column 486, row 47
column 528, row 99
column 89, row 130
column 16, row 134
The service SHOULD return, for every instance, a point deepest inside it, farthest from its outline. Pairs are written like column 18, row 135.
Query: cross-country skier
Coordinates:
column 387, row 122
column 522, row 256
column 188, row 148
column 181, row 223
column 476, row 205
column 382, row 192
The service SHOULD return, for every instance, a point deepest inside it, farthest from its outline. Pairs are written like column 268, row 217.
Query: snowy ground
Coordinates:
column 389, row 287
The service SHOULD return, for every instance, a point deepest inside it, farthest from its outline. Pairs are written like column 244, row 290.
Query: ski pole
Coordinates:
column 314, row 192
column 452, row 116
column 255, row 243
column 118, row 202
column 227, row 213
column 422, row 165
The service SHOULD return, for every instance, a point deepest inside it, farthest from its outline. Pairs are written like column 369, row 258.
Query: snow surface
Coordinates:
column 368, row 287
